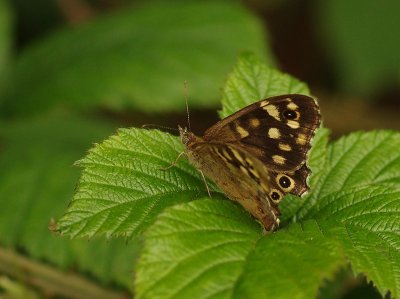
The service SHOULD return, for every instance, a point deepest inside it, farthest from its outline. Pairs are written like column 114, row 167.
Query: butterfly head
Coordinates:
column 187, row 137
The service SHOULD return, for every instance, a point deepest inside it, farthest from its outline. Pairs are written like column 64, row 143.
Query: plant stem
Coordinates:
column 51, row 280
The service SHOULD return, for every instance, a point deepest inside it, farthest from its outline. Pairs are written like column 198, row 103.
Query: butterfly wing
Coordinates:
column 277, row 130
column 241, row 176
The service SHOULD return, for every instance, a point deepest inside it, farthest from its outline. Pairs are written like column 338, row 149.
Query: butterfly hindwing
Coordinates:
column 239, row 175
column 292, row 182
column 278, row 130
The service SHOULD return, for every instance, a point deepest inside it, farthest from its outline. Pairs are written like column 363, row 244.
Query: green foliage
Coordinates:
column 363, row 42
column 5, row 36
column 36, row 182
column 145, row 52
column 212, row 248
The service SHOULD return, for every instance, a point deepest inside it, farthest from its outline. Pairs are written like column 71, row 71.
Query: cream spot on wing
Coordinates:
column 248, row 161
column 272, row 111
column 222, row 156
column 274, row 133
column 278, row 159
column 244, row 170
column 254, row 172
column 293, row 124
column 292, row 106
column 238, row 156
column 254, row 122
column 301, row 139
column 227, row 155
column 264, row 187
column 242, row 132
column 285, row 147
column 264, row 103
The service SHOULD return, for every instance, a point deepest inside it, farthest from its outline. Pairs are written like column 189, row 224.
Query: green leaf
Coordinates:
column 144, row 52
column 192, row 245
column 363, row 226
column 123, row 185
column 370, row 218
column 291, row 264
column 356, row 160
column 195, row 250
column 252, row 80
column 36, row 182
column 350, row 30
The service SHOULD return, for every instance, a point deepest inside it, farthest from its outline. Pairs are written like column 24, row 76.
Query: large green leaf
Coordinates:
column 137, row 58
column 196, row 250
column 123, row 186
column 193, row 245
column 37, row 180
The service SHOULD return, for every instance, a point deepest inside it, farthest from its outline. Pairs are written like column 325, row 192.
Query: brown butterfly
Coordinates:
column 259, row 154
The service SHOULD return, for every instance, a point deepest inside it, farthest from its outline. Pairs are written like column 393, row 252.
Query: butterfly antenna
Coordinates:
column 146, row 126
column 187, row 105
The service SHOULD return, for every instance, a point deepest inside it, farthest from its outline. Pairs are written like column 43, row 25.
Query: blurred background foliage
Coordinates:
column 72, row 71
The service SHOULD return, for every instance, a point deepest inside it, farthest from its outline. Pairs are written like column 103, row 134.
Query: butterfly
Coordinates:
column 259, row 154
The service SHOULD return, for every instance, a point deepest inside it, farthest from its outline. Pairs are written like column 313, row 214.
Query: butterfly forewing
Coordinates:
column 277, row 130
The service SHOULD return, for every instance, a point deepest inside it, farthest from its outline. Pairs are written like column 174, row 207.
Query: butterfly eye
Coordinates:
column 291, row 114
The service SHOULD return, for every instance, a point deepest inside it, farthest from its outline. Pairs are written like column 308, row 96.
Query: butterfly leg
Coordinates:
column 205, row 182
column 173, row 163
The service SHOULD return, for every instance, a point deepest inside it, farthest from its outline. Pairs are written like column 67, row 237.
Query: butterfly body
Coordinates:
column 258, row 154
